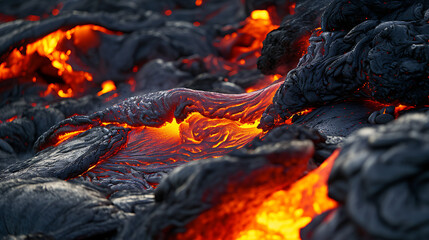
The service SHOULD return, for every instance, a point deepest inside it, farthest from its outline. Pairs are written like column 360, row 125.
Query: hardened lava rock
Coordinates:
column 56, row 209
column 383, row 58
column 380, row 182
column 70, row 159
column 284, row 46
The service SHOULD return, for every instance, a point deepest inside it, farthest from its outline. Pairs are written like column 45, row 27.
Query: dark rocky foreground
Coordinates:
column 368, row 59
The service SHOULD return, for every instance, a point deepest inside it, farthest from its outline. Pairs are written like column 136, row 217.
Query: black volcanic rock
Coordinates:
column 55, row 208
column 71, row 158
column 383, row 59
column 284, row 46
column 379, row 180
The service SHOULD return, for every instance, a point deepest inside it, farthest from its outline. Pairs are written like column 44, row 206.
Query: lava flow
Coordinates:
column 203, row 125
column 29, row 61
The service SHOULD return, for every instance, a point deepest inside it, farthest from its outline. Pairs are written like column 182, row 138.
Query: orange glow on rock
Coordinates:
column 250, row 37
column 33, row 18
column 267, row 81
column 398, row 107
column 198, row 2
column 66, row 136
column 55, row 12
column 301, row 113
column 107, row 86
column 21, row 61
column 10, row 119
column 67, row 94
column 292, row 8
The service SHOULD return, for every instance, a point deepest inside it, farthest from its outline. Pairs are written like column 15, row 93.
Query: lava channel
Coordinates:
column 167, row 128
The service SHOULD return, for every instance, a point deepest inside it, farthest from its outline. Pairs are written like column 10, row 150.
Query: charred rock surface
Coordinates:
column 379, row 181
column 54, row 208
column 383, row 58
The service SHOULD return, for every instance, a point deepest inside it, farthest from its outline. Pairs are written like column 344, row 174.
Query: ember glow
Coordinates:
column 25, row 61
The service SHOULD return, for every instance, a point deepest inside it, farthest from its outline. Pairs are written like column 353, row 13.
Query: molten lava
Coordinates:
column 26, row 61
column 278, row 217
column 196, row 137
column 68, row 135
column 285, row 212
column 107, row 86
column 208, row 125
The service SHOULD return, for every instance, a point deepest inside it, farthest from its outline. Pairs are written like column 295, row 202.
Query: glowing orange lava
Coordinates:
column 25, row 61
column 268, row 80
column 280, row 216
column 398, row 107
column 197, row 128
column 107, row 86
column 223, row 122
column 10, row 119
column 284, row 213
column 260, row 14
column 68, row 135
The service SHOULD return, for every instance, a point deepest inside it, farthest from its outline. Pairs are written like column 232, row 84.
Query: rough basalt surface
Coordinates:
column 55, row 208
column 382, row 57
column 283, row 47
column 379, row 179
